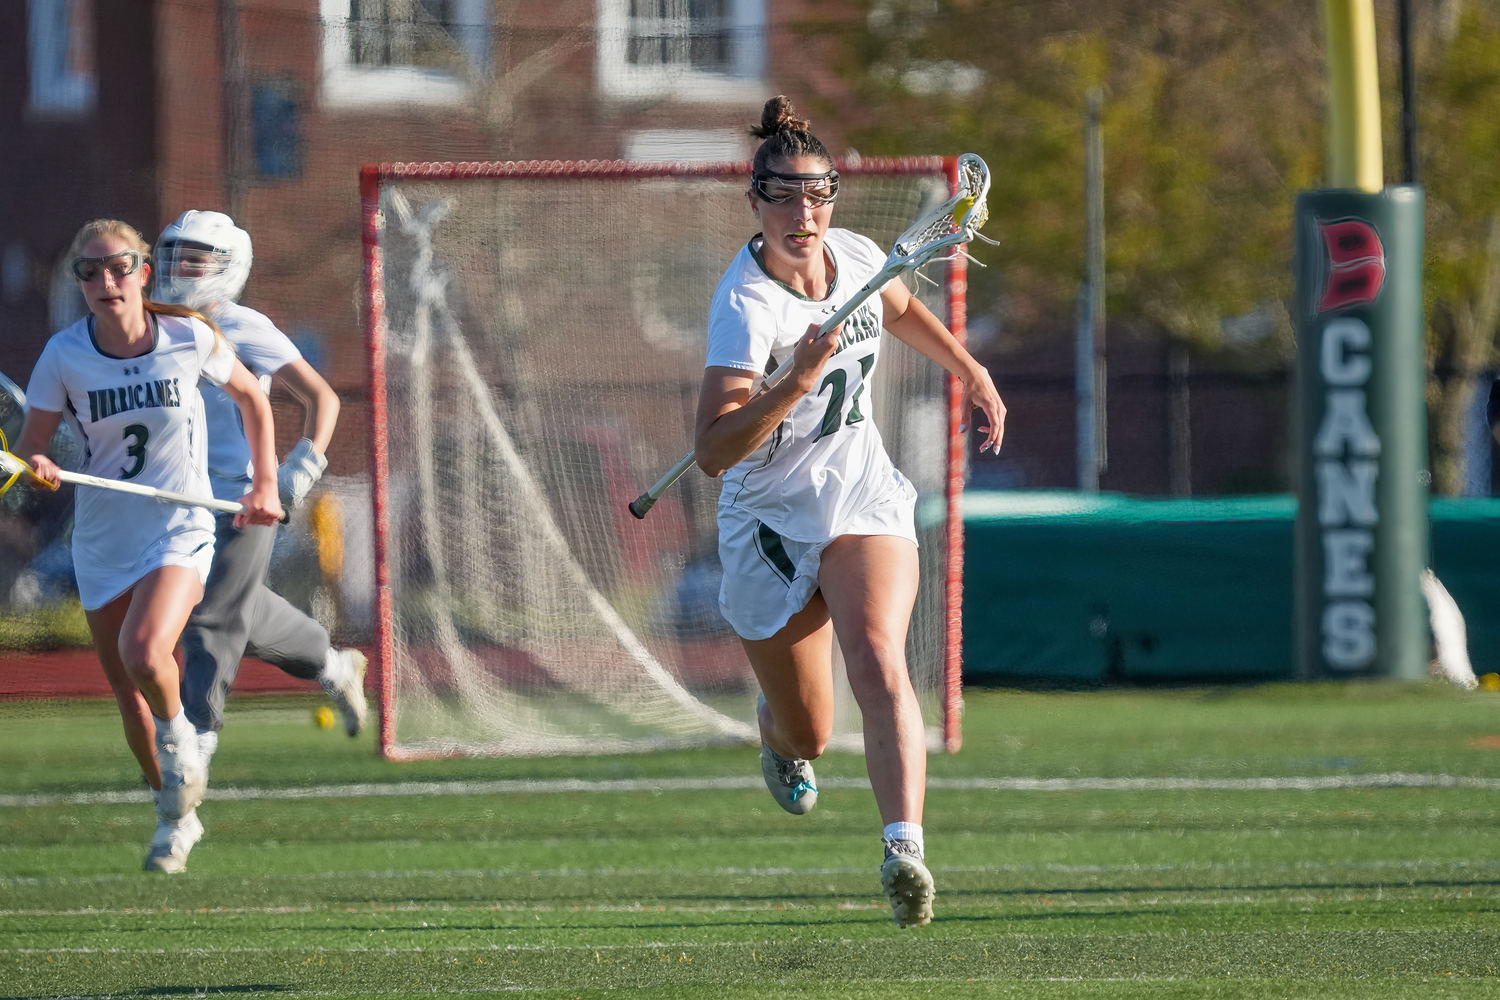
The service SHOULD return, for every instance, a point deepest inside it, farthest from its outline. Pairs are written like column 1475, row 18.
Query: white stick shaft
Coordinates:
column 647, row 500
column 228, row 506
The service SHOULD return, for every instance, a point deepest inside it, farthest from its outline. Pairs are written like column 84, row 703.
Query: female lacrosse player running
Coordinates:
column 816, row 526
column 129, row 373
column 203, row 260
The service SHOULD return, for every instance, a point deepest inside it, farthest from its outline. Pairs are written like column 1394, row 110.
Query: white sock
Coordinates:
column 177, row 730
column 333, row 667
column 208, row 742
column 902, row 830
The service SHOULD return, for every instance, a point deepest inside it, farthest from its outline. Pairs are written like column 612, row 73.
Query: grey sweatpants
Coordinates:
column 240, row 615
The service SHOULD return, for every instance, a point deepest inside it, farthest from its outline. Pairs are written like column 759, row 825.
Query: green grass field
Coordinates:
column 1334, row 841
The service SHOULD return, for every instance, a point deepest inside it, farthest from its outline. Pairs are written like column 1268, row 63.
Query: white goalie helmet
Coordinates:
column 202, row 258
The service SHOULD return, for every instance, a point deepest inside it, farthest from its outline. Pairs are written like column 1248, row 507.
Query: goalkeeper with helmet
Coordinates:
column 816, row 526
column 203, row 260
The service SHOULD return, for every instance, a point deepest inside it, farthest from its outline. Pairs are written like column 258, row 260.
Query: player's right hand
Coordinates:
column 811, row 354
column 46, row 469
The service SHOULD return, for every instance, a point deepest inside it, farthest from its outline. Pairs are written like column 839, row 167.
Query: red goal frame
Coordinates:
column 372, row 176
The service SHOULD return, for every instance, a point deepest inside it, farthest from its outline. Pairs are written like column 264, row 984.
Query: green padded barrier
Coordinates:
column 1071, row 588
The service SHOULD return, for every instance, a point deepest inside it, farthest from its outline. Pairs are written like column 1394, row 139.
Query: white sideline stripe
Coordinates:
column 1333, row 782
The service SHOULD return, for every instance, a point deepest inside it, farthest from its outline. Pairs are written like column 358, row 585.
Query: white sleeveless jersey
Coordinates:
column 142, row 421
column 264, row 350
column 825, row 463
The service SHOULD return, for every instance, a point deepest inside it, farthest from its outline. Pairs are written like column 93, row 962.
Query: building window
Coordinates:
column 666, row 145
column 690, row 49
column 278, row 152
column 60, row 44
column 386, row 51
column 687, row 34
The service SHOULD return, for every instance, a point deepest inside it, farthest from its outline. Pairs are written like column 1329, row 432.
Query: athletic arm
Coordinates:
column 912, row 323
column 255, row 413
column 320, row 404
column 732, row 423
column 36, row 435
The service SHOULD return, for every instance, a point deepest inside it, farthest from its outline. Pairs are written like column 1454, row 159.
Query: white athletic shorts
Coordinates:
column 98, row 585
column 768, row 578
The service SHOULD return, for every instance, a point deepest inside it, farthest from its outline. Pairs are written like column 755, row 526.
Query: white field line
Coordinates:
column 1335, row 782
column 1398, row 868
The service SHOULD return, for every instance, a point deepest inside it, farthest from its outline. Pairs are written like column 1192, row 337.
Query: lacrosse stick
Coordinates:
column 13, row 468
column 16, row 468
column 940, row 231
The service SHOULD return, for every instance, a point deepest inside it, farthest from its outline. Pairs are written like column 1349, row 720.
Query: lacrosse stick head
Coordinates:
column 12, row 419
column 15, row 469
column 954, row 222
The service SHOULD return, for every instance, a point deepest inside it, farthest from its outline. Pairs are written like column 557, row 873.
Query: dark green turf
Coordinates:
column 1368, row 893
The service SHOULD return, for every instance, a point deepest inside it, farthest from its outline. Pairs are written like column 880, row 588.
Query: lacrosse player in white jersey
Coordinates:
column 816, row 529
column 203, row 260
column 129, row 372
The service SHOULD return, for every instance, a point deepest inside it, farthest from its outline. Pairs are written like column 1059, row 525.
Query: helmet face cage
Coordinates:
column 781, row 188
column 201, row 259
column 195, row 275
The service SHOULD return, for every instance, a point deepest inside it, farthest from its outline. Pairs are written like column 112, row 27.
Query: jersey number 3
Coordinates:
column 833, row 416
column 136, row 451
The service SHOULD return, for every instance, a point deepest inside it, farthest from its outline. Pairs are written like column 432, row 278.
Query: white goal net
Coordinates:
column 537, row 341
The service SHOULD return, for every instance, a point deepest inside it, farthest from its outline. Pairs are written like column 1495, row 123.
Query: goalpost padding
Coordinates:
column 536, row 342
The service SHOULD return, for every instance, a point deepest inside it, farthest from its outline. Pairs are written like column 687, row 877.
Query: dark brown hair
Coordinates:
column 785, row 135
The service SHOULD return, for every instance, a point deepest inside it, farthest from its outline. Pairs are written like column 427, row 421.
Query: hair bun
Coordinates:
column 778, row 115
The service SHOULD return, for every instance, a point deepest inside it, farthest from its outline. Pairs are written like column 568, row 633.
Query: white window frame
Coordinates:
column 619, row 79
column 350, row 84
column 52, row 86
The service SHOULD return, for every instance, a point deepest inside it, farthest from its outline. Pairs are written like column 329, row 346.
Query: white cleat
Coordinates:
column 907, row 883
column 790, row 780
column 343, row 680
column 173, row 840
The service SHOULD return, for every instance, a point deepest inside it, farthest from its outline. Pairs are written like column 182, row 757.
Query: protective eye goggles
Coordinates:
column 779, row 189
column 118, row 264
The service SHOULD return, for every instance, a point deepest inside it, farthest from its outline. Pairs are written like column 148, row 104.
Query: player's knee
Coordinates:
column 879, row 681
column 143, row 653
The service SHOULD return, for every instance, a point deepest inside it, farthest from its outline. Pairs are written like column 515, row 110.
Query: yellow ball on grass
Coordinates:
column 323, row 716
column 1490, row 682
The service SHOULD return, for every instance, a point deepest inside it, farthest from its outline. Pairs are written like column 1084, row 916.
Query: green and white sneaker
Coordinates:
column 172, row 842
column 907, row 883
column 790, row 780
column 343, row 680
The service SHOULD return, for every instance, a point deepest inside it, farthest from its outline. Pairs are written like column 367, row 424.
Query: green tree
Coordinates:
column 1459, row 97
column 1214, row 119
column 1209, row 130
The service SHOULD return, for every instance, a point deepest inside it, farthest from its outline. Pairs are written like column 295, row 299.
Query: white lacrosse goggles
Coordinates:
column 120, row 264
column 781, row 188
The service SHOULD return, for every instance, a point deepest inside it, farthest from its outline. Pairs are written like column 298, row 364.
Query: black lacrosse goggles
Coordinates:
column 778, row 189
column 118, row 264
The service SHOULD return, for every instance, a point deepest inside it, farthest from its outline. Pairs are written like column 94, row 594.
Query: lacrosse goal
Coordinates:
column 536, row 342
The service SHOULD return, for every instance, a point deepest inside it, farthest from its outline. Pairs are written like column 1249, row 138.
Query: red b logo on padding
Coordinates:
column 1356, row 264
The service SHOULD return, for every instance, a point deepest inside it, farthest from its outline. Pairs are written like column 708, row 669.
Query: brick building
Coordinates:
column 265, row 109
